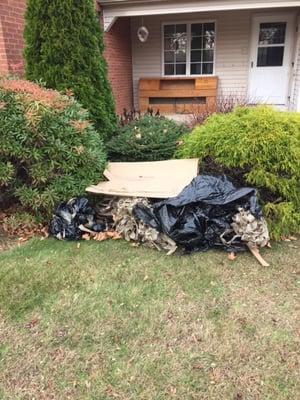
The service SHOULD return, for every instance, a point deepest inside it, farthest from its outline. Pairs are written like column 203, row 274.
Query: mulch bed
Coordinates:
column 15, row 234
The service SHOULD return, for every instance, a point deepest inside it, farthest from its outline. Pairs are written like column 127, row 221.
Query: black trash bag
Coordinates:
column 68, row 216
column 201, row 213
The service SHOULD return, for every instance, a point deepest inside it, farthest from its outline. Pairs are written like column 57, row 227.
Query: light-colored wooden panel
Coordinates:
column 177, row 84
column 149, row 84
column 162, row 108
column 178, row 93
column 211, row 103
column 190, row 108
column 144, row 102
column 206, row 83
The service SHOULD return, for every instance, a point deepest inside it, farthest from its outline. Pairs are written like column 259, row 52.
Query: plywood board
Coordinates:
column 149, row 84
column 158, row 179
column 178, row 93
column 206, row 83
column 173, row 88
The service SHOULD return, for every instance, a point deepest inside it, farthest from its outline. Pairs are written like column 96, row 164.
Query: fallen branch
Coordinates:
column 87, row 230
column 257, row 255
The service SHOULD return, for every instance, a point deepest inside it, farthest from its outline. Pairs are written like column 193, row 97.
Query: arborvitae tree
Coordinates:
column 64, row 50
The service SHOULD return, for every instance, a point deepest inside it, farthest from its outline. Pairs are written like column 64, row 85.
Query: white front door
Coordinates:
column 271, row 59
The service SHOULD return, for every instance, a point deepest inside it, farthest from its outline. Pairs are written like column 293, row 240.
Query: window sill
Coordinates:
column 188, row 76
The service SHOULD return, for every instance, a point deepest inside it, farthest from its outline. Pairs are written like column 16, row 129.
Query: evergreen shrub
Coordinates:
column 148, row 138
column 49, row 149
column 64, row 49
column 257, row 146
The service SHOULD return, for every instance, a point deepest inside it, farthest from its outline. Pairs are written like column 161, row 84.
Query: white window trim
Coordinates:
column 188, row 53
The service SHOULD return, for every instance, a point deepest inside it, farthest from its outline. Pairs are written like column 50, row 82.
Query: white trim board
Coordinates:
column 295, row 89
column 111, row 12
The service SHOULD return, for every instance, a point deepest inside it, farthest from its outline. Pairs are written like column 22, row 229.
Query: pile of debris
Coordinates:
column 134, row 229
column 208, row 213
column 110, row 219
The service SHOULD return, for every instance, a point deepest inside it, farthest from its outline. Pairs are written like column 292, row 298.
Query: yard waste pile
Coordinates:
column 208, row 213
column 70, row 216
column 135, row 229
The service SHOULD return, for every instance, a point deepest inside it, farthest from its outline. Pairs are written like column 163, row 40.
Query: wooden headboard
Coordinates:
column 171, row 95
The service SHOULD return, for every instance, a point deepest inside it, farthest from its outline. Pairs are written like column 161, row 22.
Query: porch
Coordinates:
column 199, row 51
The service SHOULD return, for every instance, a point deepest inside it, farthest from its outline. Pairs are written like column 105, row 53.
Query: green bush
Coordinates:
column 64, row 48
column 258, row 146
column 149, row 138
column 49, row 150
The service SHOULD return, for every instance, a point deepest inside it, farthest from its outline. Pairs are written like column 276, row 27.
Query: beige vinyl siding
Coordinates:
column 232, row 48
column 232, row 52
column 146, row 57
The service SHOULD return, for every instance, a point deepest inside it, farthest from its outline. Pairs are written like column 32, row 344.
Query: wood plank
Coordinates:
column 206, row 83
column 258, row 256
column 190, row 108
column 163, row 108
column 149, row 84
column 174, row 87
column 178, row 93
column 144, row 102
column 182, row 84
column 211, row 102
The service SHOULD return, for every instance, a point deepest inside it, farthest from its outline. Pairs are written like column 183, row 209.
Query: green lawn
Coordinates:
column 110, row 321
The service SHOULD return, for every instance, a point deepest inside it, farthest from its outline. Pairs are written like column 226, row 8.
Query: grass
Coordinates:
column 109, row 321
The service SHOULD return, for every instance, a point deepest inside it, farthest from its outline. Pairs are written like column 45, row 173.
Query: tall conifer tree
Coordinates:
column 64, row 49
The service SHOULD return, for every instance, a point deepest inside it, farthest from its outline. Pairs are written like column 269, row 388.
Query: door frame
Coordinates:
column 290, row 17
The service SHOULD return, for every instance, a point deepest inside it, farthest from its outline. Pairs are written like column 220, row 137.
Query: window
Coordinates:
column 271, row 44
column 189, row 49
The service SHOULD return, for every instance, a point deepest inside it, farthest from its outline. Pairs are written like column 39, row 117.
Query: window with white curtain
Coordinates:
column 189, row 49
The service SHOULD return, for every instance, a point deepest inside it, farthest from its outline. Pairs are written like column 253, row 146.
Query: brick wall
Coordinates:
column 11, row 36
column 117, row 50
column 119, row 61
